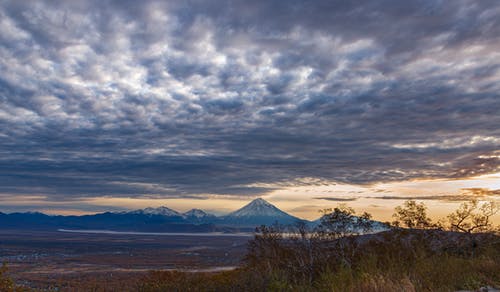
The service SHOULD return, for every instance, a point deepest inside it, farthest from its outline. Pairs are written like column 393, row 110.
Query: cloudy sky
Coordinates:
column 106, row 105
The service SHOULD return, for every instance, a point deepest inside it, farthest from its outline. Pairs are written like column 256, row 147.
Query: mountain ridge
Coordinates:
column 255, row 213
column 162, row 210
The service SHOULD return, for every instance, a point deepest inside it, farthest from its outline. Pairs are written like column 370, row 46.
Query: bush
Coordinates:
column 6, row 283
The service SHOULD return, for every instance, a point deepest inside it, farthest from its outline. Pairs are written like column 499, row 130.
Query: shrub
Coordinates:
column 6, row 283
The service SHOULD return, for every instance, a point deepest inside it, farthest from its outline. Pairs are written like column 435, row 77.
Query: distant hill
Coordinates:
column 105, row 221
column 376, row 226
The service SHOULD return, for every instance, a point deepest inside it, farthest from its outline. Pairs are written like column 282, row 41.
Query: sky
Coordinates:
column 114, row 105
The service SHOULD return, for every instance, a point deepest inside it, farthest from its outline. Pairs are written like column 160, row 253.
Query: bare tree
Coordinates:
column 341, row 226
column 470, row 218
column 342, row 221
column 412, row 215
column 473, row 217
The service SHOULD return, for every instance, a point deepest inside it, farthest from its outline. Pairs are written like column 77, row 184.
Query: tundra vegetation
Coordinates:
column 460, row 252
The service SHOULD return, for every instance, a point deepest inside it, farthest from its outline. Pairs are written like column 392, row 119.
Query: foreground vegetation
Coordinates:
column 415, row 254
column 463, row 253
column 395, row 261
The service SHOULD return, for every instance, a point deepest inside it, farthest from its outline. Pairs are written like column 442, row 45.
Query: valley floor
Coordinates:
column 44, row 259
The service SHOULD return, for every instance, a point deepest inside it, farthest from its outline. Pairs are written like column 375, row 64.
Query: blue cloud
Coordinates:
column 113, row 97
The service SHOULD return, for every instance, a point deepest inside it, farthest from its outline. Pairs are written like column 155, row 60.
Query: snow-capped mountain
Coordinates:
column 163, row 211
column 197, row 213
column 258, row 207
column 257, row 212
column 199, row 216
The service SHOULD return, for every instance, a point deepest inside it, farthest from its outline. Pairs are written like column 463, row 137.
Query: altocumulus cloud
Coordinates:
column 182, row 98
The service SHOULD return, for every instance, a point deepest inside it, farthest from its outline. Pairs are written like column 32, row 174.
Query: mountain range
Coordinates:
column 162, row 219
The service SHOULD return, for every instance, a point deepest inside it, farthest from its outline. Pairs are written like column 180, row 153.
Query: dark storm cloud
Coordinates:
column 182, row 98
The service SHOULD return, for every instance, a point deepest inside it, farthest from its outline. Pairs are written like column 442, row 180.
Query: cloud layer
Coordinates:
column 185, row 98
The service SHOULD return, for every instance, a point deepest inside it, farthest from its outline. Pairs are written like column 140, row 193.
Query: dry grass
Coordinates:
column 394, row 261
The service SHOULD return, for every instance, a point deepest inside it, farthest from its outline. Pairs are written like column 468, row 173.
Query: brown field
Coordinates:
column 45, row 259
